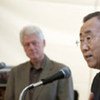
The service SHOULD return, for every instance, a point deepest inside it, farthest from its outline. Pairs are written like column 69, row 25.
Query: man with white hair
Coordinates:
column 38, row 67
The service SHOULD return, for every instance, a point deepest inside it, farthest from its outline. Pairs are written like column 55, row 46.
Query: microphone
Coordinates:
column 63, row 73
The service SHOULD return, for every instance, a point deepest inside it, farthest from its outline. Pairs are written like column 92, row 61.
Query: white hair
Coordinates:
column 29, row 30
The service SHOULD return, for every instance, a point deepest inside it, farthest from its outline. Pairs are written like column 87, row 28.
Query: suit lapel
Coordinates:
column 26, row 71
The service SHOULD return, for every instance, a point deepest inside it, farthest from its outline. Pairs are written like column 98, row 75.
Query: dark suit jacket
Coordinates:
column 58, row 90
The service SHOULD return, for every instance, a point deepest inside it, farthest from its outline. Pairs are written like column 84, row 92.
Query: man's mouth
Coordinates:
column 88, row 57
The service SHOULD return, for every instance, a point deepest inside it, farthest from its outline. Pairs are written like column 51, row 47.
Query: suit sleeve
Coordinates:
column 9, row 93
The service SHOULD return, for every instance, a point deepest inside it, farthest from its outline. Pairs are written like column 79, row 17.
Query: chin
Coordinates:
column 35, row 58
column 93, row 66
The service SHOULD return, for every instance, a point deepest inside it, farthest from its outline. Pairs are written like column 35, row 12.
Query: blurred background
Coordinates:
column 60, row 21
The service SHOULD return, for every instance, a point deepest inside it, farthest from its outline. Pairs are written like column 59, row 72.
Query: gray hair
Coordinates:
column 29, row 30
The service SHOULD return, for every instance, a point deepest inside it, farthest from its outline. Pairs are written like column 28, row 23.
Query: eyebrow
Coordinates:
column 86, row 32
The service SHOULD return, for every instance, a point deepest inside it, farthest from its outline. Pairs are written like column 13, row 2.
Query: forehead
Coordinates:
column 31, row 37
column 91, row 26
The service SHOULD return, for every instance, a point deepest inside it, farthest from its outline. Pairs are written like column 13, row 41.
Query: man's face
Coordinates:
column 90, row 42
column 34, row 47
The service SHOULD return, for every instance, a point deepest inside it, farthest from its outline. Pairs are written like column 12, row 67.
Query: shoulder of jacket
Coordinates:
column 20, row 66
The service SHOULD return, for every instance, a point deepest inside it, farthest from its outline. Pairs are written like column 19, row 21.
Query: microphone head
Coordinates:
column 63, row 73
column 66, row 72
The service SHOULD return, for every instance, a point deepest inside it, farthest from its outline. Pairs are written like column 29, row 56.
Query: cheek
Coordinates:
column 26, row 51
column 96, row 51
column 40, row 47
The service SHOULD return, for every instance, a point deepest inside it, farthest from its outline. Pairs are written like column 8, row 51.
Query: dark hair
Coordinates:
column 91, row 15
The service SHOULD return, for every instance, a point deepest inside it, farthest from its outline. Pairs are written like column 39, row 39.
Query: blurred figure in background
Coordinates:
column 38, row 67
column 90, row 47
column 76, row 95
column 2, row 65
column 4, row 73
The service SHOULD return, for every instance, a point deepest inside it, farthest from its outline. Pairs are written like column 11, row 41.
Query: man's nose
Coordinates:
column 84, row 46
column 31, row 46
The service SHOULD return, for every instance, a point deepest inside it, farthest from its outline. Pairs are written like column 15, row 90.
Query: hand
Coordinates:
column 91, row 97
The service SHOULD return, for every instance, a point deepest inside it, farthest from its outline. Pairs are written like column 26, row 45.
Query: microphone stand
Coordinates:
column 21, row 97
